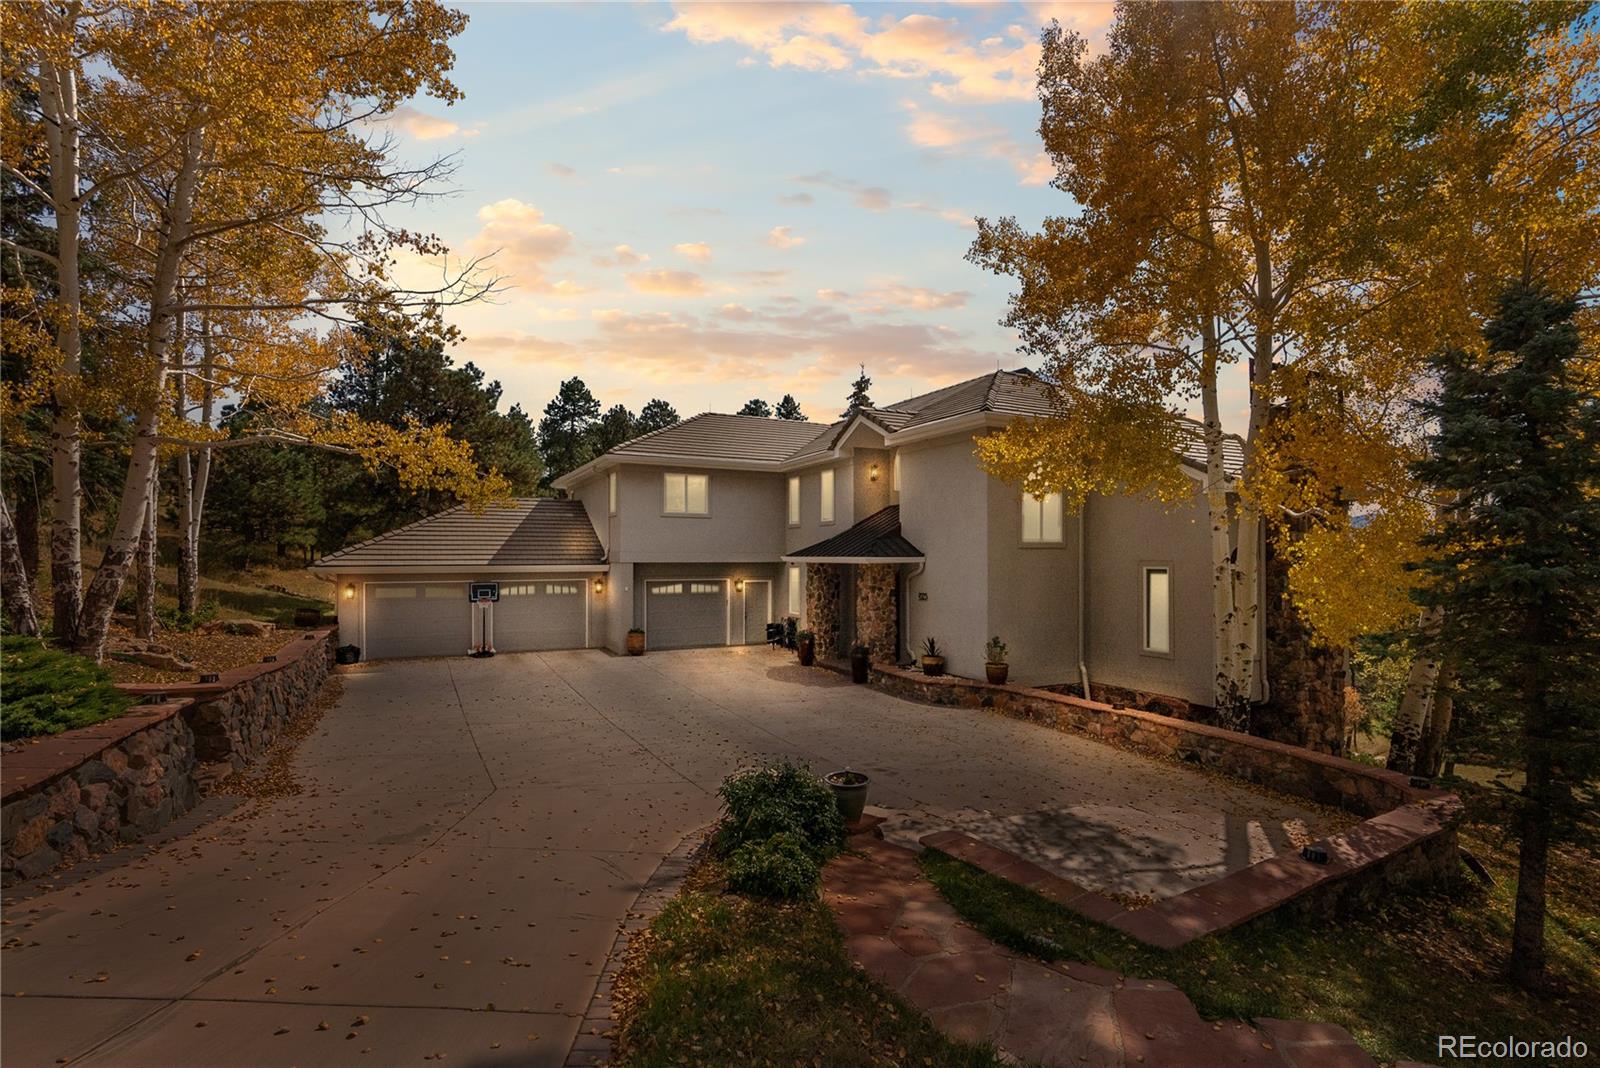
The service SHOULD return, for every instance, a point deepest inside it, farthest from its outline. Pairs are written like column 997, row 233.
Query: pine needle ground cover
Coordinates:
column 47, row 691
column 720, row 978
column 1423, row 965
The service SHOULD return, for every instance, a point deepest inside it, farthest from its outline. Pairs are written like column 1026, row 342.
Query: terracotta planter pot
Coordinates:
column 860, row 666
column 636, row 644
column 996, row 672
column 808, row 653
column 849, row 793
column 933, row 665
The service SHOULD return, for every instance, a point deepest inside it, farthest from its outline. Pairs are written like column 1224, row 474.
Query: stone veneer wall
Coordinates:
column 823, row 584
column 74, row 794
column 877, row 623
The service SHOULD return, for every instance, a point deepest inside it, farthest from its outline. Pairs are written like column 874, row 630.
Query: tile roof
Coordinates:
column 526, row 533
column 875, row 537
column 725, row 437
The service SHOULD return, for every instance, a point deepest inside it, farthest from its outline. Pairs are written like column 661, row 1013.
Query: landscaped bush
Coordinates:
column 47, row 691
column 780, row 797
column 781, row 868
column 172, row 619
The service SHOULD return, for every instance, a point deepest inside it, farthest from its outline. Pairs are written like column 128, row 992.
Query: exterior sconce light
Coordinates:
column 872, row 472
column 599, row 585
column 739, row 585
column 349, row 591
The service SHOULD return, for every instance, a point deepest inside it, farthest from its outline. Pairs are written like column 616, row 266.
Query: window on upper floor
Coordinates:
column 1157, row 610
column 794, row 589
column 826, row 511
column 1041, row 519
column 611, row 493
column 685, row 494
column 794, row 500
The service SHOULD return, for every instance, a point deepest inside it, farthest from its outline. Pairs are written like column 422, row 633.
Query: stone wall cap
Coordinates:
column 54, row 755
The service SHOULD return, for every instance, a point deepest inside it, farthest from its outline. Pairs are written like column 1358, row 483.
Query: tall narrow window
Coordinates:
column 827, row 495
column 1041, row 519
column 894, row 473
column 794, row 500
column 684, row 494
column 794, row 589
column 611, row 493
column 1157, row 610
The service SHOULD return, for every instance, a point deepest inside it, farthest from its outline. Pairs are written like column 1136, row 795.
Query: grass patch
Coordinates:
column 47, row 691
column 1421, row 965
column 722, row 979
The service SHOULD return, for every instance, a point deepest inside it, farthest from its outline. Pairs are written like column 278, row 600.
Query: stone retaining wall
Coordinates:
column 74, row 794
column 1408, row 837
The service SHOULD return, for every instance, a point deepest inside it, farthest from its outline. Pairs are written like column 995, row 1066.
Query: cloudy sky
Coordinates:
column 712, row 202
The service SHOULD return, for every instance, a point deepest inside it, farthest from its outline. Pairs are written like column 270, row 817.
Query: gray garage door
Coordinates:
column 417, row 619
column 540, row 615
column 682, row 614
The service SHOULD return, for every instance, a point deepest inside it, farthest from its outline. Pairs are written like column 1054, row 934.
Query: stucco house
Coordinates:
column 879, row 528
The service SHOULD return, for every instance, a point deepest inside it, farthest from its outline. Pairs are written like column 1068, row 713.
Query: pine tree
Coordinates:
column 789, row 408
column 613, row 428
column 858, row 394
column 1514, row 572
column 756, row 406
column 564, row 430
column 657, row 414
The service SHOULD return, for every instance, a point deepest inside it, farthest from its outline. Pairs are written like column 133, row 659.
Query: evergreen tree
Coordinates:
column 268, row 503
column 564, row 440
column 789, row 408
column 613, row 428
column 656, row 415
column 858, row 395
column 756, row 406
column 1514, row 572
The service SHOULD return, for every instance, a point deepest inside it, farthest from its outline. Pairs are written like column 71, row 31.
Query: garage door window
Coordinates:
column 518, row 590
column 393, row 593
column 561, row 587
column 667, row 587
column 705, row 587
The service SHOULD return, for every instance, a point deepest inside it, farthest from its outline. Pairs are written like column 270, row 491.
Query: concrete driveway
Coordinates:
column 472, row 831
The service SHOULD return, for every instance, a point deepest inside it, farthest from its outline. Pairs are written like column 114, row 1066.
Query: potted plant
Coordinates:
column 635, row 642
column 849, row 792
column 994, row 661
column 805, row 644
column 860, row 662
column 932, row 658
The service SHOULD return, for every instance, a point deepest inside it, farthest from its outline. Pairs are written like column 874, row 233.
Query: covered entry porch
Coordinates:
column 855, row 587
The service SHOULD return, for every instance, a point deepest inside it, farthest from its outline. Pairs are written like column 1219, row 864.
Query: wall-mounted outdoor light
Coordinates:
column 739, row 585
column 349, row 591
column 599, row 585
column 872, row 472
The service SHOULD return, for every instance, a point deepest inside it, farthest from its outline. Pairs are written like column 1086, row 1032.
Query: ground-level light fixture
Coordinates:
column 349, row 591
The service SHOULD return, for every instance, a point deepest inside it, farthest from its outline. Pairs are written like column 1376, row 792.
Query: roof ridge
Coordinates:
column 652, row 433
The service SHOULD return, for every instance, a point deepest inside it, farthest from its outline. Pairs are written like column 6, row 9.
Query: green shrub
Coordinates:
column 777, row 798
column 47, row 691
column 172, row 619
column 782, row 867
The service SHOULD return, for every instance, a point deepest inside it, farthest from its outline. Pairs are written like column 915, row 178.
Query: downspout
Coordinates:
column 1083, row 602
column 920, row 568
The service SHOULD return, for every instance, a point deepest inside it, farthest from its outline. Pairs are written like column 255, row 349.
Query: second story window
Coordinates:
column 794, row 500
column 611, row 493
column 684, row 494
column 1041, row 519
column 827, row 495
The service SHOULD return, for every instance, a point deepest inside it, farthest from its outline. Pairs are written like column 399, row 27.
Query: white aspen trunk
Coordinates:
column 144, row 612
column 101, row 598
column 58, row 99
column 194, row 477
column 1441, row 710
column 15, row 588
column 1219, row 511
column 1405, row 737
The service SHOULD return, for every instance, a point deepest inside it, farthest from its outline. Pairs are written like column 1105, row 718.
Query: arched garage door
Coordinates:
column 680, row 614
column 417, row 619
column 540, row 615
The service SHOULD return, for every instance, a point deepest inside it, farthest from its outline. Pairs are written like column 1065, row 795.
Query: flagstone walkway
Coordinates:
column 905, row 935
